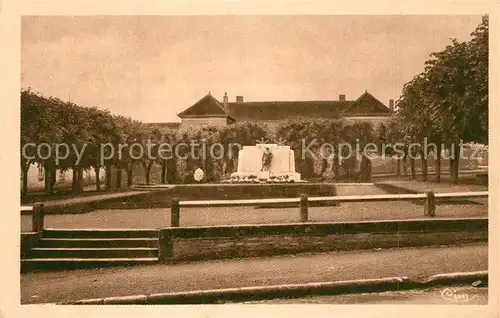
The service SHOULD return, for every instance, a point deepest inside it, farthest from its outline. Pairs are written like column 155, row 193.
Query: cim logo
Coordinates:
column 452, row 295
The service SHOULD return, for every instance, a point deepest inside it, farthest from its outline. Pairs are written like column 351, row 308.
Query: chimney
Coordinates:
column 239, row 99
column 225, row 100
column 391, row 104
column 342, row 98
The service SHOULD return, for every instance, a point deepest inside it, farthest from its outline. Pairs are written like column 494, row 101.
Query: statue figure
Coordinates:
column 266, row 160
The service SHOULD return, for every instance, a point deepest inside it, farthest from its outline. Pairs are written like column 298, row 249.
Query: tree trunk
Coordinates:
column 438, row 162
column 118, row 178
column 363, row 168
column 24, row 186
column 80, row 181
column 455, row 164
column 53, row 177
column 368, row 170
column 145, row 167
column 172, row 170
column 336, row 167
column 405, row 163
column 108, row 177
column 425, row 166
column 411, row 159
column 46, row 180
column 163, row 171
column 398, row 167
column 130, row 175
column 169, row 172
column 174, row 173
column 97, row 178
column 74, row 180
column 456, row 169
column 452, row 170
column 147, row 170
column 324, row 166
column 229, row 166
column 74, row 183
column 208, row 167
column 350, row 168
column 308, row 167
column 49, row 185
column 205, row 166
column 412, row 168
column 450, row 167
column 223, row 167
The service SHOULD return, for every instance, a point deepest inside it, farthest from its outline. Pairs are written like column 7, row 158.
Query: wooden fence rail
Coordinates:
column 302, row 202
column 26, row 208
column 429, row 199
column 349, row 198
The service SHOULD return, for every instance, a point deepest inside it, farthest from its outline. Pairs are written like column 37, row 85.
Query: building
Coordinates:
column 209, row 111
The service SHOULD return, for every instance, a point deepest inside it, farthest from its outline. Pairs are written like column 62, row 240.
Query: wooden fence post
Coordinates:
column 37, row 217
column 303, row 208
column 430, row 204
column 175, row 211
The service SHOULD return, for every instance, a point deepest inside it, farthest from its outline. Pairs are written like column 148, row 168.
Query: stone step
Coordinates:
column 56, row 264
column 94, row 253
column 100, row 233
column 98, row 242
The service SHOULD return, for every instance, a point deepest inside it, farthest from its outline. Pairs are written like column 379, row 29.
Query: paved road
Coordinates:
column 450, row 295
column 416, row 263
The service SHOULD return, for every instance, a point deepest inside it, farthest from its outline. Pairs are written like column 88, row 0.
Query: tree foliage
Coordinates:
column 51, row 121
column 448, row 102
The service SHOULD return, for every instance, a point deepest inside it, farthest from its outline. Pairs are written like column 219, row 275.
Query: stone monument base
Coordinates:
column 282, row 165
column 267, row 176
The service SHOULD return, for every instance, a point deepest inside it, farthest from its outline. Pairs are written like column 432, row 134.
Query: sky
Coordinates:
column 152, row 67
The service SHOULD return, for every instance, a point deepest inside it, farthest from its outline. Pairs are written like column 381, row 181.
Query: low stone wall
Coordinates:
column 28, row 241
column 178, row 244
column 482, row 178
column 252, row 191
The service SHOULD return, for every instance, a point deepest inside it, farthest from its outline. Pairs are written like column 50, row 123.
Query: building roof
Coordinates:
column 208, row 106
column 366, row 104
column 283, row 109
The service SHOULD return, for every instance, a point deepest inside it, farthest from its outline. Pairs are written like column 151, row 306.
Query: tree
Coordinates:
column 40, row 123
column 82, row 129
column 459, row 75
column 418, row 126
column 448, row 102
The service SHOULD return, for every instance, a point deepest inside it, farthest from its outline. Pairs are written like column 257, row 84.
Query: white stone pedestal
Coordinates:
column 282, row 164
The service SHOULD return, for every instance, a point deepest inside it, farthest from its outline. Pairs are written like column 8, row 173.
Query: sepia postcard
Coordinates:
column 250, row 158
